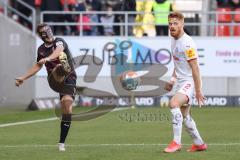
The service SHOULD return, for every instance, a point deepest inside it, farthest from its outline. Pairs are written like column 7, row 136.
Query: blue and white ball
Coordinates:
column 130, row 80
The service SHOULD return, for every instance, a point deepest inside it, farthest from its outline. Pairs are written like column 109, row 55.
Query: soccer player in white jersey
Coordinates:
column 186, row 77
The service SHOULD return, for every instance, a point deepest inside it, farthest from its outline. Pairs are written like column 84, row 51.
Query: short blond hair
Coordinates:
column 177, row 15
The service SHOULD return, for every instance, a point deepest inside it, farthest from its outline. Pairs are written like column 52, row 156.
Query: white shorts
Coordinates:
column 185, row 87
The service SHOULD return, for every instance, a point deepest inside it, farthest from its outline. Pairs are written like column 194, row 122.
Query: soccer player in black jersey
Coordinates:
column 54, row 53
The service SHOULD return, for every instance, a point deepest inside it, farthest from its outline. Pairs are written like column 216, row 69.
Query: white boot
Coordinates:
column 61, row 147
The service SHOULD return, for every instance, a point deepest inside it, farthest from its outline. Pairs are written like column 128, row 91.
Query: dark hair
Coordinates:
column 41, row 25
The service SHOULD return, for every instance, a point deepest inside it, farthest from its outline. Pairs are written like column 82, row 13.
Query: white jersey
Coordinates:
column 183, row 50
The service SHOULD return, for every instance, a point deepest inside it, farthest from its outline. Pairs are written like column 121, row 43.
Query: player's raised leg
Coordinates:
column 66, row 108
column 191, row 128
column 177, row 119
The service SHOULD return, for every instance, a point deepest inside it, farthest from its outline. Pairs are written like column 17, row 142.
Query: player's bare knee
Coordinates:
column 174, row 104
column 67, row 98
column 66, row 104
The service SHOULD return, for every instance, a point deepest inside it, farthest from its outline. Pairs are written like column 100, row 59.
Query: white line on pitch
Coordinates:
column 27, row 122
column 106, row 145
column 44, row 120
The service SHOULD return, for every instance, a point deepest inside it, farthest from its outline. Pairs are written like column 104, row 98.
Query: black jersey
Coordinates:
column 44, row 52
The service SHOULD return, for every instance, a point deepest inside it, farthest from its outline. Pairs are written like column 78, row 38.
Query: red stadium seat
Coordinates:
column 222, row 30
column 223, row 15
column 236, row 30
column 237, row 15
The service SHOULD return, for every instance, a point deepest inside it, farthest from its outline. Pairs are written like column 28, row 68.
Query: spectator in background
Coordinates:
column 53, row 5
column 79, row 6
column 106, row 20
column 235, row 4
column 96, row 6
column 129, row 6
column 93, row 19
column 86, row 27
column 105, row 4
column 228, row 3
column 147, row 19
column 86, row 18
column 25, row 11
column 223, row 3
column 161, row 10
column 69, row 5
column 118, row 18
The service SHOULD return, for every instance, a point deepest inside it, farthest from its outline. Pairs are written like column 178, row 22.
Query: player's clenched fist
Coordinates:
column 19, row 81
column 168, row 86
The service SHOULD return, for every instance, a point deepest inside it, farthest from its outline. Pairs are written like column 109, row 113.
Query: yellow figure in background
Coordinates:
column 146, row 17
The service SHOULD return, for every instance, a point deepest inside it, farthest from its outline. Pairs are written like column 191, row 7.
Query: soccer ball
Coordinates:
column 129, row 80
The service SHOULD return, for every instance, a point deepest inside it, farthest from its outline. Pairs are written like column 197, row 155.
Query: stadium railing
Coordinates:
column 9, row 11
column 202, row 23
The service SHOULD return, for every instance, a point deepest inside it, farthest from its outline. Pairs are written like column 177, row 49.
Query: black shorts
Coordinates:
column 59, row 84
column 71, row 82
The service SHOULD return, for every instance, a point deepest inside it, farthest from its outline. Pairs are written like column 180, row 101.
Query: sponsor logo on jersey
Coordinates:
column 59, row 43
column 191, row 53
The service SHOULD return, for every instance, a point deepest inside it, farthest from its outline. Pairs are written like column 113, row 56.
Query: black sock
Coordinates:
column 65, row 125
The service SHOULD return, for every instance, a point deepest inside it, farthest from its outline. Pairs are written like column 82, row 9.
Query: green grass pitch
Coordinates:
column 131, row 134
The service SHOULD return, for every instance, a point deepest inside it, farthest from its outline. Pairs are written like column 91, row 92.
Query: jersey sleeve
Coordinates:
column 190, row 50
column 39, row 56
column 60, row 42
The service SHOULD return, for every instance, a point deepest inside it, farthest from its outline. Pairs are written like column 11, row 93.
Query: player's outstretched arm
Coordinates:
column 55, row 54
column 197, row 81
column 33, row 70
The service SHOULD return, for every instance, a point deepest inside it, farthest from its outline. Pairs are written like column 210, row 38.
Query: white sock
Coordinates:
column 177, row 120
column 192, row 130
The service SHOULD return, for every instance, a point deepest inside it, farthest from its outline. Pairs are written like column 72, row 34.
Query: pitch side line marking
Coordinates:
column 107, row 145
column 27, row 122
column 44, row 120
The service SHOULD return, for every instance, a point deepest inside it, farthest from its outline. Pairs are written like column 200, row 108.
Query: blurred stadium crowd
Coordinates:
column 113, row 7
